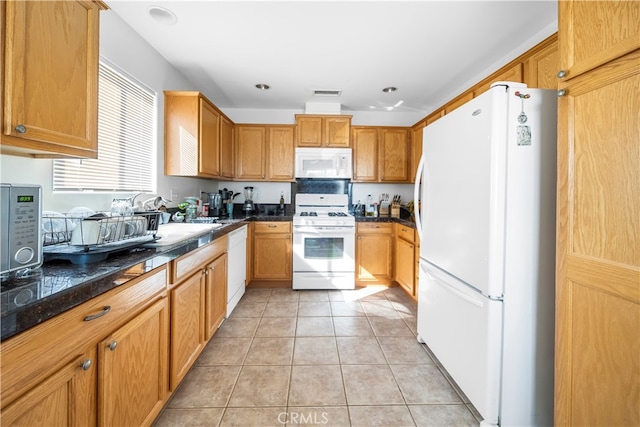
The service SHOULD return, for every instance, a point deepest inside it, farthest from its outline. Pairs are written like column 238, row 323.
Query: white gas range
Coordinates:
column 323, row 242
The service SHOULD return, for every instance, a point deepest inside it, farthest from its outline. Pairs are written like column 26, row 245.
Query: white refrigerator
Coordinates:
column 487, row 186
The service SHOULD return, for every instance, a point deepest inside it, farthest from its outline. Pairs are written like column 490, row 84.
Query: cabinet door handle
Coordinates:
column 271, row 226
column 561, row 92
column 561, row 74
column 104, row 311
column 112, row 345
column 86, row 365
column 21, row 129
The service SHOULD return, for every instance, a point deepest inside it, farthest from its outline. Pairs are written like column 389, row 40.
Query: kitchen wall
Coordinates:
column 123, row 47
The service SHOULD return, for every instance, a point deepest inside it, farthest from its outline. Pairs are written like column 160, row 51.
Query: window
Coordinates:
column 126, row 140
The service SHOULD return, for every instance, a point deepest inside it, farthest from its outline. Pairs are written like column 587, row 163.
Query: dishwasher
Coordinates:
column 237, row 267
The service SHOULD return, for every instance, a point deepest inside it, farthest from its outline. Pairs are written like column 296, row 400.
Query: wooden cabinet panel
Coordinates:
column 272, row 251
column 187, row 325
column 512, row 73
column 337, row 132
column 404, row 273
column 251, row 152
column 216, row 295
column 67, row 398
column 281, row 153
column 209, row 141
column 416, row 149
column 133, row 380
column 365, row 154
column 51, row 78
column 598, row 259
column 460, row 100
column 196, row 259
column 594, row 33
column 374, row 253
column 323, row 131
column 541, row 68
column 226, row 148
column 393, row 155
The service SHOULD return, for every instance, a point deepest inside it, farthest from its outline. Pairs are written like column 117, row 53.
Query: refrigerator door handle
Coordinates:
column 416, row 197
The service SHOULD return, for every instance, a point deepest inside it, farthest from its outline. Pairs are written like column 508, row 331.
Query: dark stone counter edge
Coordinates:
column 78, row 284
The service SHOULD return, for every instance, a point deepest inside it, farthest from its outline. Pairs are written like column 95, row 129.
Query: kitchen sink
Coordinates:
column 175, row 232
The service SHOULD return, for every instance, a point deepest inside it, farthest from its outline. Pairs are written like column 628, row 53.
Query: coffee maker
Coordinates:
column 248, row 206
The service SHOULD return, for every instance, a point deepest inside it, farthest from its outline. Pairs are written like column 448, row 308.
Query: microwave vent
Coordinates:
column 326, row 92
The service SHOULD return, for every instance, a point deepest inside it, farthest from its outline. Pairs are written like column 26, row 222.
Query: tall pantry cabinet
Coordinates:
column 597, row 377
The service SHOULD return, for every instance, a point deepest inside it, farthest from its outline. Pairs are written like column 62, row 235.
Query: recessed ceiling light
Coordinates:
column 163, row 15
column 390, row 89
column 262, row 86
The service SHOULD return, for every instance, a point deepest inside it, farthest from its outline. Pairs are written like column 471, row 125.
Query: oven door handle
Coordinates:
column 321, row 230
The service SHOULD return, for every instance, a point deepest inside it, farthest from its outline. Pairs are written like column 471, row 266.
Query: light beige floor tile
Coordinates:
column 313, row 308
column 404, row 350
column 284, row 295
column 248, row 309
column 352, row 327
column 339, row 295
column 333, row 416
column 224, row 351
column 343, row 308
column 314, row 327
column 195, row 417
column 254, row 417
column 442, row 415
column 424, row 384
column 412, row 324
column 316, row 385
column 256, row 295
column 359, row 351
column 405, row 308
column 270, row 351
column 320, row 295
column 205, row 386
column 385, row 327
column 397, row 294
column 261, row 386
column 315, row 351
column 280, row 309
column 277, row 327
column 238, row 327
column 380, row 308
column 369, row 416
column 374, row 295
column 370, row 385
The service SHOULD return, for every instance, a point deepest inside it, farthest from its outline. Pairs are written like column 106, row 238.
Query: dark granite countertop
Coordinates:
column 406, row 222
column 59, row 285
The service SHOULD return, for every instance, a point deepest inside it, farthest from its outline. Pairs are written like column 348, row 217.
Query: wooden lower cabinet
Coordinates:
column 104, row 362
column 374, row 253
column 133, row 369
column 215, row 294
column 272, row 251
column 66, row 398
column 404, row 258
column 187, row 325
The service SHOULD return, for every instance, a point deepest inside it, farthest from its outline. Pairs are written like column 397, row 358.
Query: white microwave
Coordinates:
column 324, row 163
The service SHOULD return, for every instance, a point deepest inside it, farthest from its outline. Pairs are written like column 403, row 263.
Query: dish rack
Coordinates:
column 84, row 239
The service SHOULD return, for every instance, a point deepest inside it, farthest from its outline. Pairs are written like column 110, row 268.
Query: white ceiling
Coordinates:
column 424, row 48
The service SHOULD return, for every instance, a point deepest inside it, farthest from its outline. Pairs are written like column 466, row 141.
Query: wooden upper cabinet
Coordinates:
column 541, row 68
column 50, row 75
column 209, row 141
column 594, row 33
column 510, row 73
column 323, row 131
column 251, row 152
column 280, row 149
column 416, row 149
column 365, row 154
column 393, row 155
column 197, row 137
column 460, row 100
column 226, row 148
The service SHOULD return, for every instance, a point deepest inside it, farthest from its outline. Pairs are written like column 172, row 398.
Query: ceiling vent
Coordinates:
column 326, row 92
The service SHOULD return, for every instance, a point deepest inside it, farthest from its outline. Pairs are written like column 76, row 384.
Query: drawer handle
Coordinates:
column 86, row 365
column 271, row 226
column 113, row 345
column 104, row 311
column 21, row 129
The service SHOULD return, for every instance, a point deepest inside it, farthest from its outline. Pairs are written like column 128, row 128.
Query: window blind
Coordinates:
column 126, row 135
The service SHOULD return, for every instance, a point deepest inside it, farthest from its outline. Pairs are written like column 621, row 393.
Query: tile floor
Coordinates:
column 326, row 358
